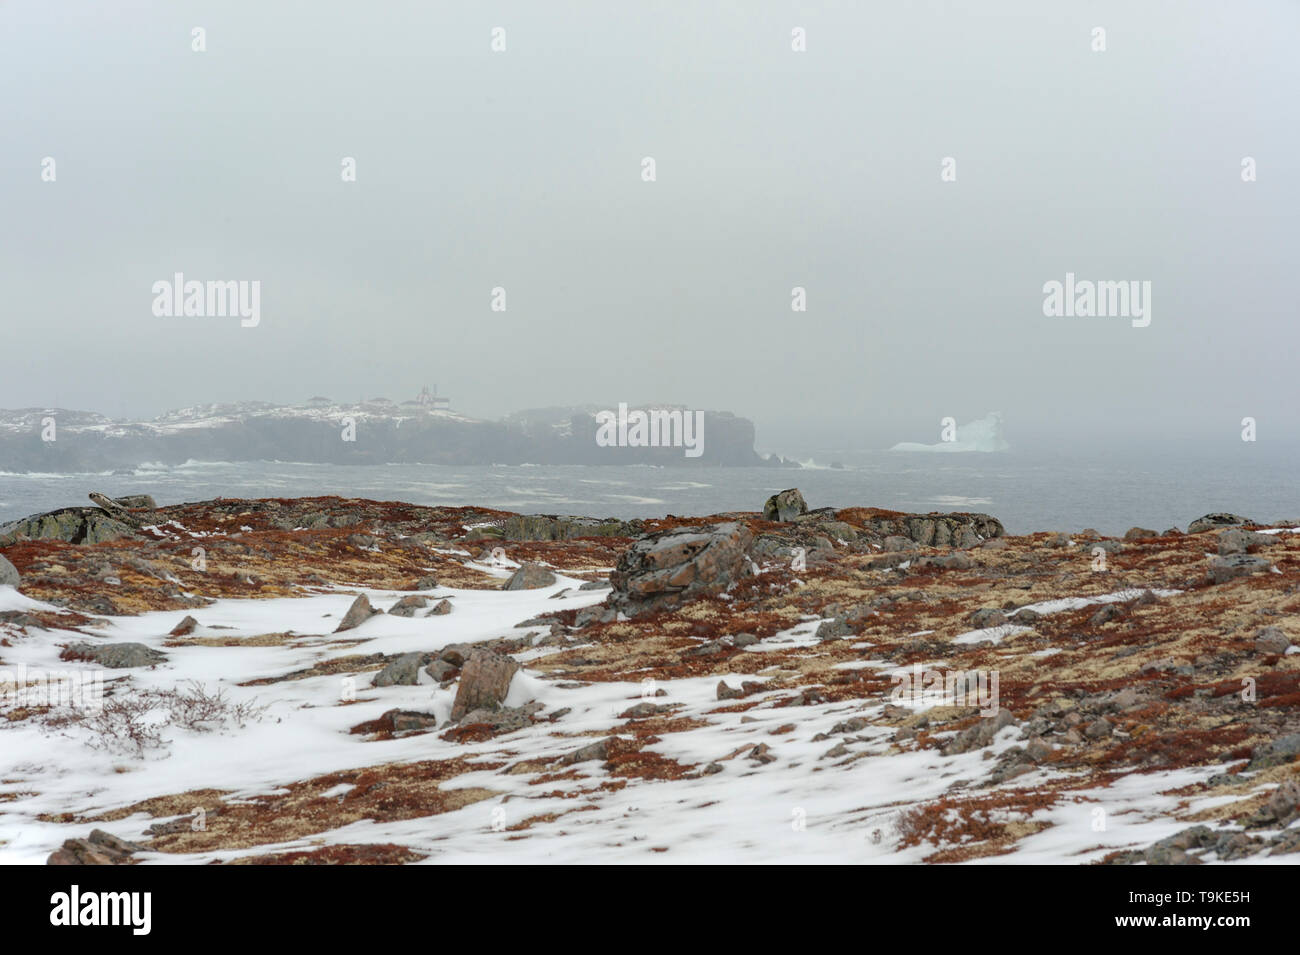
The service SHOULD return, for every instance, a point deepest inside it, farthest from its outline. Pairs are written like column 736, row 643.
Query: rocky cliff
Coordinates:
column 373, row 432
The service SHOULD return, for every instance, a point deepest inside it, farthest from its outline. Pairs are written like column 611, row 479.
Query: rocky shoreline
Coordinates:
column 476, row 681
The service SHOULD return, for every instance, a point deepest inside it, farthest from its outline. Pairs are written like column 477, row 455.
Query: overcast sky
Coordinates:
column 775, row 169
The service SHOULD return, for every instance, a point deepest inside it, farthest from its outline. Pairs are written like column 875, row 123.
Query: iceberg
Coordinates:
column 983, row 434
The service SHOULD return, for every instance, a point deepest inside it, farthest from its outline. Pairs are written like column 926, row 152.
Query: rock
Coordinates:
column 404, row 671
column 1098, row 729
column 9, row 576
column 441, row 670
column 407, row 606
column 596, row 750
column 1215, row 521
column 1139, row 533
column 710, row 648
column 979, row 735
column 897, row 544
column 102, row 848
column 1106, row 614
column 667, row 569
column 834, row 629
column 115, row 656
column 455, row 653
column 1238, row 541
column 643, row 711
column 76, row 525
column 442, row 607
column 1272, row 640
column 1223, row 569
column 484, row 682
column 785, row 505
column 726, row 692
column 987, row 617
column 184, row 628
column 357, row 614
column 529, row 577
column 402, row 722
column 115, row 510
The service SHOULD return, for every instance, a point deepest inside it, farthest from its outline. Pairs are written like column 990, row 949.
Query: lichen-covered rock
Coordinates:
column 102, row 848
column 404, row 671
column 785, row 505
column 529, row 577
column 407, row 606
column 484, row 682
column 1216, row 521
column 115, row 656
column 357, row 614
column 667, row 569
column 9, row 576
column 76, row 525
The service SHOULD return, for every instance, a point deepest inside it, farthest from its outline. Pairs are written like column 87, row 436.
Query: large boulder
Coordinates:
column 9, row 576
column 1217, row 521
column 76, row 525
column 529, row 577
column 1223, row 569
column 484, row 682
column 357, row 614
column 785, row 505
column 667, row 569
column 404, row 671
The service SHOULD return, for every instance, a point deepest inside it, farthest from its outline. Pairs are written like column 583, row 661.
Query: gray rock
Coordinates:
column 9, row 576
column 667, row 569
column 1216, row 521
column 597, row 750
column 115, row 656
column 1272, row 640
column 404, row 671
column 529, row 577
column 357, row 614
column 183, row 629
column 407, row 606
column 898, row 544
column 1237, row 541
column 455, row 653
column 1223, row 569
column 76, row 525
column 484, row 682
column 441, row 670
column 987, row 617
column 785, row 505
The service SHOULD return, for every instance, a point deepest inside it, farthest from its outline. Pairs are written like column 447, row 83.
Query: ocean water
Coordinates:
column 1027, row 492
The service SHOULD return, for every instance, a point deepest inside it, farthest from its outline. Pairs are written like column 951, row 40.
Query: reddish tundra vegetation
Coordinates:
column 729, row 649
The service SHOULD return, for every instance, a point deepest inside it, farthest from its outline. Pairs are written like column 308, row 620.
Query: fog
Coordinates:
column 523, row 169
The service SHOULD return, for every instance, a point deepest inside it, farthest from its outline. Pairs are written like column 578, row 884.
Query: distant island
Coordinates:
column 422, row 430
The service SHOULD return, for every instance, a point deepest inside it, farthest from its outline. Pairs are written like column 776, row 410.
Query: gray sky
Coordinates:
column 776, row 169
